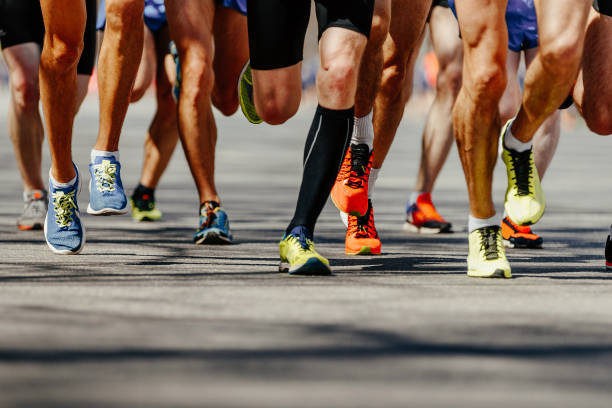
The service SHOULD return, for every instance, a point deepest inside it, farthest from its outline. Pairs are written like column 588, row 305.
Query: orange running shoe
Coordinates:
column 424, row 218
column 519, row 236
column 361, row 235
column 350, row 192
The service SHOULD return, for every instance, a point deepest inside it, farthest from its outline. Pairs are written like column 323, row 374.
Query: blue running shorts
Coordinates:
column 155, row 12
column 154, row 15
column 238, row 5
column 522, row 24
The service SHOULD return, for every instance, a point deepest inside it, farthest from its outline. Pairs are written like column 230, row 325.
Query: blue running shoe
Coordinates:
column 176, row 89
column 214, row 225
column 106, row 195
column 64, row 232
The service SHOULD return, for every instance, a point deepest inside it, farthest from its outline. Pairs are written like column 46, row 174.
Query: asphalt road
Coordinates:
column 145, row 318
